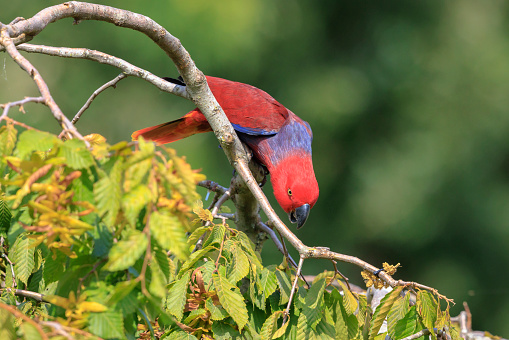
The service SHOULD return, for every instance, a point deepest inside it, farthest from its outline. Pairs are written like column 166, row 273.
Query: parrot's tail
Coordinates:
column 192, row 123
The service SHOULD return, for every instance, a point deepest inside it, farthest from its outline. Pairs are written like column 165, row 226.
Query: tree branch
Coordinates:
column 104, row 58
column 66, row 125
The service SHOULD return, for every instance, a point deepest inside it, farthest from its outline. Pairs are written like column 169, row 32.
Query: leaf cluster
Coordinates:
column 104, row 240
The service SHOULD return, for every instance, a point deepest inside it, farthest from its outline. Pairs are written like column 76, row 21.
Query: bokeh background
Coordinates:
column 408, row 101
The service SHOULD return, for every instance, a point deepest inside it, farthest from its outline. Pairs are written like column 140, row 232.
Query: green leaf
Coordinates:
column 76, row 154
column 169, row 233
column 7, row 331
column 108, row 194
column 325, row 330
column 107, row 325
column 270, row 326
column 216, row 312
column 8, row 135
column 180, row 335
column 163, row 262
column 193, row 258
column 5, row 216
column 23, row 257
column 398, row 311
column 304, row 332
column 158, row 280
column 33, row 140
column 382, row 311
column 232, row 301
column 29, row 331
column 223, row 331
column 216, row 236
column 176, row 299
column 121, row 290
column 349, row 300
column 408, row 325
column 238, row 267
column 267, row 282
column 284, row 286
column 125, row 252
column 313, row 306
column 427, row 308
column 134, row 201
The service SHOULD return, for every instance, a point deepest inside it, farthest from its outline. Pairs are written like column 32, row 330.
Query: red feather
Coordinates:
column 279, row 139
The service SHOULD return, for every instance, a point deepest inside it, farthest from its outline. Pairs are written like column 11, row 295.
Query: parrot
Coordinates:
column 278, row 139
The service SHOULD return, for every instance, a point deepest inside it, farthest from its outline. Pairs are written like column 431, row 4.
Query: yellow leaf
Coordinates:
column 94, row 307
column 203, row 214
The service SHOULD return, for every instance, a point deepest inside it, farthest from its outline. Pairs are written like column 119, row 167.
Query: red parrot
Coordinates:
column 279, row 139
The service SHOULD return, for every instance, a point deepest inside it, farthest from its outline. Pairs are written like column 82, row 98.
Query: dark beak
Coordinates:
column 300, row 215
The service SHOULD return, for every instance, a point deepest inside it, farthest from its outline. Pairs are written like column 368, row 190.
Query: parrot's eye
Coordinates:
column 289, row 192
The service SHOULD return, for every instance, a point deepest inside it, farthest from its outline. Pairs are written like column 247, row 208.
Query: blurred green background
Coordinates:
column 408, row 101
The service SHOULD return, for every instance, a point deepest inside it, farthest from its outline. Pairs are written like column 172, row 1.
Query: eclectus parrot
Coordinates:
column 279, row 139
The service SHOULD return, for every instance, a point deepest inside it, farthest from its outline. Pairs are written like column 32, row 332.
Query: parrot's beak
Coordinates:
column 299, row 215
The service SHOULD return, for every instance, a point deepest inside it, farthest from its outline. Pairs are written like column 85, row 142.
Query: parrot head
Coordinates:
column 295, row 187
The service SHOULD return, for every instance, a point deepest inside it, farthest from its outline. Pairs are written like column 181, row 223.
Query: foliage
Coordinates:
column 105, row 235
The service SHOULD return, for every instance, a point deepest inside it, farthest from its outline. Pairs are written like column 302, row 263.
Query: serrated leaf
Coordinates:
column 270, row 326
column 232, row 301
column 362, row 309
column 216, row 236
column 134, row 201
column 163, row 262
column 284, row 286
column 313, row 305
column 158, row 280
column 267, row 282
column 8, row 135
column 408, row 325
column 23, row 257
column 304, row 332
column 176, row 299
column 193, row 258
column 180, row 335
column 169, row 233
column 238, row 267
column 216, row 312
column 107, row 325
column 349, row 300
column 76, row 154
column 108, row 194
column 125, row 252
column 325, row 330
column 5, row 216
column 398, row 312
column 427, row 308
column 197, row 233
column 33, row 140
column 382, row 311
column 223, row 331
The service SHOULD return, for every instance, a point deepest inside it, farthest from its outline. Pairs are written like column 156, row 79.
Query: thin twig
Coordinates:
column 66, row 125
column 12, row 269
column 294, row 286
column 19, row 314
column 19, row 103
column 111, row 83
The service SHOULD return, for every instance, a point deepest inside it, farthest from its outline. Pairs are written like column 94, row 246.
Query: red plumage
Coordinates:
column 279, row 139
